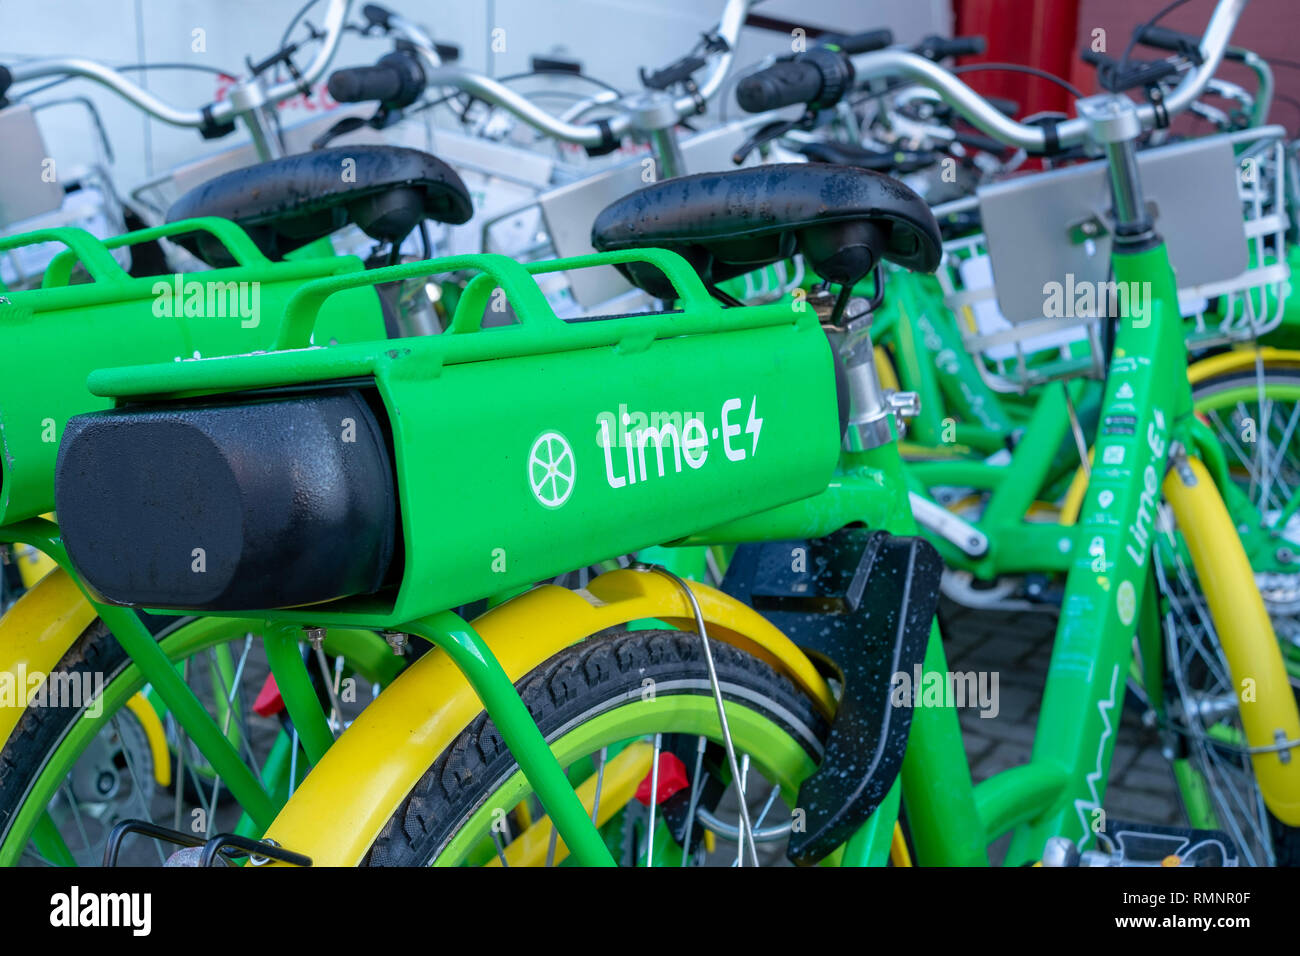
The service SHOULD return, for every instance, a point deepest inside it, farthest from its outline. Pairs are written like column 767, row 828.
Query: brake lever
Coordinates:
column 382, row 119
column 766, row 134
column 684, row 69
column 679, row 72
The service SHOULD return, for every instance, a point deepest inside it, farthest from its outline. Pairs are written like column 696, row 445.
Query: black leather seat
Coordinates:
column 286, row 203
column 843, row 219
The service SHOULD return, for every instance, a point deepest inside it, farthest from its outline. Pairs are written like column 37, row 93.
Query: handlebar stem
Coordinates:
column 251, row 104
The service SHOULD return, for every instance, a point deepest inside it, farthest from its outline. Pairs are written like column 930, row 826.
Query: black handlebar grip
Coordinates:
column 856, row 43
column 781, row 84
column 6, row 78
column 940, row 48
column 358, row 84
column 967, row 46
column 1163, row 38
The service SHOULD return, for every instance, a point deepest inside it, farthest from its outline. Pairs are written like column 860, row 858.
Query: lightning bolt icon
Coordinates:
column 754, row 425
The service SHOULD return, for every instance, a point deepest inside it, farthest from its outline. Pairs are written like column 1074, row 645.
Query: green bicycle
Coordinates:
column 443, row 766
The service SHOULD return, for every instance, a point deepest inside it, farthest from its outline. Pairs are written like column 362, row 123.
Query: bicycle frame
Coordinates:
column 952, row 820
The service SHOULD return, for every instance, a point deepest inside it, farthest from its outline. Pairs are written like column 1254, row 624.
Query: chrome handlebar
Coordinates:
column 985, row 117
column 216, row 113
column 586, row 134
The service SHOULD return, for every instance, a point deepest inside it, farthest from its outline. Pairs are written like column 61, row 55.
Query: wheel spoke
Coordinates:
column 654, row 800
column 136, row 785
column 700, row 746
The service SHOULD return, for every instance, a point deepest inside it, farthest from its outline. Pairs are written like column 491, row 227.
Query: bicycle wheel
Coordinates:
column 74, row 768
column 612, row 708
column 1204, row 713
column 1256, row 414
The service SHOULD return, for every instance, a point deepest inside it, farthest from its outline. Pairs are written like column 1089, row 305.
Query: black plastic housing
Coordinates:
column 230, row 506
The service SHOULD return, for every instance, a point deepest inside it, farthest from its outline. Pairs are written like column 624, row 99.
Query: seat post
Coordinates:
column 870, row 403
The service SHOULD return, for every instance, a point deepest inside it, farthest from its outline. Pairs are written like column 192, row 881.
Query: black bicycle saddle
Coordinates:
column 842, row 218
column 288, row 202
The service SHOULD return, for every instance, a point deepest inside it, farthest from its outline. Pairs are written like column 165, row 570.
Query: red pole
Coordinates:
column 1037, row 33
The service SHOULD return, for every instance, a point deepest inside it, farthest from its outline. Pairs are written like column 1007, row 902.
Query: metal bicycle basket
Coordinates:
column 1030, row 292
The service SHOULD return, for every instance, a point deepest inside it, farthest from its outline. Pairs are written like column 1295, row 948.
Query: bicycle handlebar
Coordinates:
column 498, row 94
column 818, row 77
column 214, row 114
column 1163, row 38
column 594, row 135
column 356, row 84
column 985, row 117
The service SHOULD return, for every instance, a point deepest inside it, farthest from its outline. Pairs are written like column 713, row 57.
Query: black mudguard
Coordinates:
column 860, row 603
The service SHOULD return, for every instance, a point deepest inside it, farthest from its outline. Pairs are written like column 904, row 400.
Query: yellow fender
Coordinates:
column 1239, row 359
column 155, row 736
column 363, row 778
column 1268, row 706
column 38, row 630
column 36, row 633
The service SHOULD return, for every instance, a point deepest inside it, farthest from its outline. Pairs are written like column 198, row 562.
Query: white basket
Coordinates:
column 1254, row 302
column 1019, row 352
column 93, row 207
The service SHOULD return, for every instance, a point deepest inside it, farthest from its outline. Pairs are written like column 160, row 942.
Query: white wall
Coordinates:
column 611, row 38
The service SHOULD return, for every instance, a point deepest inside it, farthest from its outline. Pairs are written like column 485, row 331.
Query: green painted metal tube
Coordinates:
column 1017, row 795
column 284, row 655
column 1148, row 392
column 199, row 726
column 869, row 846
column 485, row 674
column 937, row 790
column 179, row 699
column 1196, row 796
column 56, row 336
column 958, row 473
column 1029, row 466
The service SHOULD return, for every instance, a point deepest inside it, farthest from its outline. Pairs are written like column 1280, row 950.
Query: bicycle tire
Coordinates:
column 583, row 683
